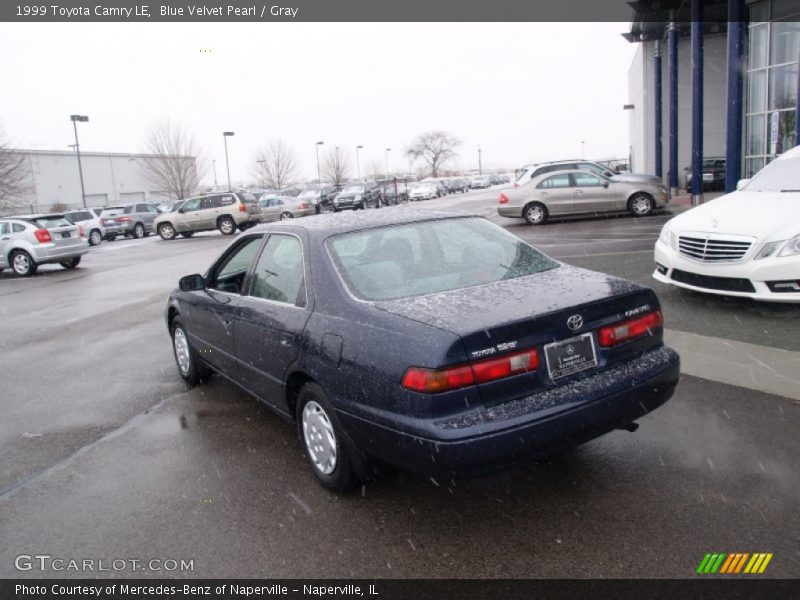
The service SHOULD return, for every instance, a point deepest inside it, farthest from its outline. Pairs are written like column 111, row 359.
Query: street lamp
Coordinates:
column 358, row 164
column 583, row 154
column 225, row 136
column 214, row 167
column 83, row 119
column 319, row 176
column 262, row 163
column 387, row 162
column 480, row 164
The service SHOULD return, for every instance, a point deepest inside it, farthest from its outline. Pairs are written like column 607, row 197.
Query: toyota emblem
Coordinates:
column 575, row 322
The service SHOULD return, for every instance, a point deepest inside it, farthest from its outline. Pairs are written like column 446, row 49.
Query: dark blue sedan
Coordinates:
column 437, row 342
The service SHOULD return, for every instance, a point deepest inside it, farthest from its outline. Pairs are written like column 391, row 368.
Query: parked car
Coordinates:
column 713, row 175
column 90, row 223
column 319, row 197
column 566, row 193
column 27, row 241
column 131, row 220
column 494, row 179
column 276, row 208
column 457, row 185
column 408, row 335
column 537, row 170
column 423, row 191
column 393, row 191
column 358, row 195
column 479, row 183
column 225, row 211
column 746, row 243
column 292, row 190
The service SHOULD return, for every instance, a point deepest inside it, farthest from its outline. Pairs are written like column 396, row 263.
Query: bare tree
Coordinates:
column 336, row 167
column 275, row 164
column 435, row 148
column 175, row 165
column 374, row 169
column 15, row 180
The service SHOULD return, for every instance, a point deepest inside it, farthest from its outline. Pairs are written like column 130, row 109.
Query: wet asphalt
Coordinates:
column 107, row 455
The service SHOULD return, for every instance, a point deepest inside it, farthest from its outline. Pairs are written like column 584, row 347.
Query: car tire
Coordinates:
column 286, row 215
column 71, row 263
column 535, row 213
column 187, row 234
column 226, row 226
column 641, row 204
column 95, row 237
column 191, row 368
column 138, row 231
column 333, row 458
column 22, row 264
column 166, row 231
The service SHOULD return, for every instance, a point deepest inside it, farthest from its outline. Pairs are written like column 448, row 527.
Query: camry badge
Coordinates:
column 575, row 322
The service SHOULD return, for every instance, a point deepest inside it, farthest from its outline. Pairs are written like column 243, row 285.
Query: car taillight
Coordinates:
column 503, row 199
column 627, row 330
column 434, row 381
column 43, row 235
column 81, row 231
column 123, row 219
column 242, row 207
column 303, row 205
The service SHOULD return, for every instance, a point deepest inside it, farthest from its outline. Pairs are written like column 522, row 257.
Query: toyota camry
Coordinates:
column 436, row 342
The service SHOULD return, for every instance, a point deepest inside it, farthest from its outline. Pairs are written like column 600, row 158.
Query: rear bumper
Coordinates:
column 43, row 254
column 489, row 438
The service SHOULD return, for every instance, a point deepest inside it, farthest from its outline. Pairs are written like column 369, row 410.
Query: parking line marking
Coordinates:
column 760, row 368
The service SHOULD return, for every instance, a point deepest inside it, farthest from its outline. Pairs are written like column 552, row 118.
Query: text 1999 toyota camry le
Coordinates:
column 436, row 342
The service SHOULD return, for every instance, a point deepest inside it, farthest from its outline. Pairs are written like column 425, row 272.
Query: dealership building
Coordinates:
column 108, row 179
column 713, row 78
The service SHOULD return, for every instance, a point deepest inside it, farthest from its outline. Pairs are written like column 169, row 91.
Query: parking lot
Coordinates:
column 106, row 454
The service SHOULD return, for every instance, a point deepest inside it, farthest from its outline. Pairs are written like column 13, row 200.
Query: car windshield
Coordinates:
column 778, row 176
column 430, row 257
column 247, row 198
column 353, row 188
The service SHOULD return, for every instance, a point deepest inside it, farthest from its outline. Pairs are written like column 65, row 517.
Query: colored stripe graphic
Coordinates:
column 729, row 564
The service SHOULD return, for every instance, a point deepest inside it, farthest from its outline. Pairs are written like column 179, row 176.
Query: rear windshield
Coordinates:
column 431, row 257
column 48, row 222
column 111, row 212
column 247, row 198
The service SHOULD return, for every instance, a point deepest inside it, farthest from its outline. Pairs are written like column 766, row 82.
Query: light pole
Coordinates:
column 214, row 166
column 387, row 162
column 225, row 136
column 583, row 154
column 319, row 176
column 480, row 163
column 262, row 163
column 82, row 119
column 358, row 164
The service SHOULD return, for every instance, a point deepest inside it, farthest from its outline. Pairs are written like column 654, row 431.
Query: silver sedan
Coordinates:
column 574, row 192
column 275, row 208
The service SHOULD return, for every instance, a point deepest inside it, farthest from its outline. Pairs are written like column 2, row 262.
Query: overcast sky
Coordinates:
column 524, row 92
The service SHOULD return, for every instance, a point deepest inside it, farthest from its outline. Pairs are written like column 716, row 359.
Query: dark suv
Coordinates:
column 358, row 194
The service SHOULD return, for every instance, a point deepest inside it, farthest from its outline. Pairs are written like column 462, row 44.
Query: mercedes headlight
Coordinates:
column 664, row 236
column 792, row 247
column 766, row 250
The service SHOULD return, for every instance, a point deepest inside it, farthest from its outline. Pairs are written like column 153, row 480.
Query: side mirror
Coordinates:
column 608, row 173
column 192, row 283
column 605, row 184
column 741, row 183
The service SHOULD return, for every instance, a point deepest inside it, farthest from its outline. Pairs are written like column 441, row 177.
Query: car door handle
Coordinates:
column 578, row 191
column 5, row 238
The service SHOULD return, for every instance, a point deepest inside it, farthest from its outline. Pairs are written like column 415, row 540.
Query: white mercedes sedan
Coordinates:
column 746, row 243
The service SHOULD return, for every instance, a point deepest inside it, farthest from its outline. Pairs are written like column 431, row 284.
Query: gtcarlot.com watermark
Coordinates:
column 46, row 562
